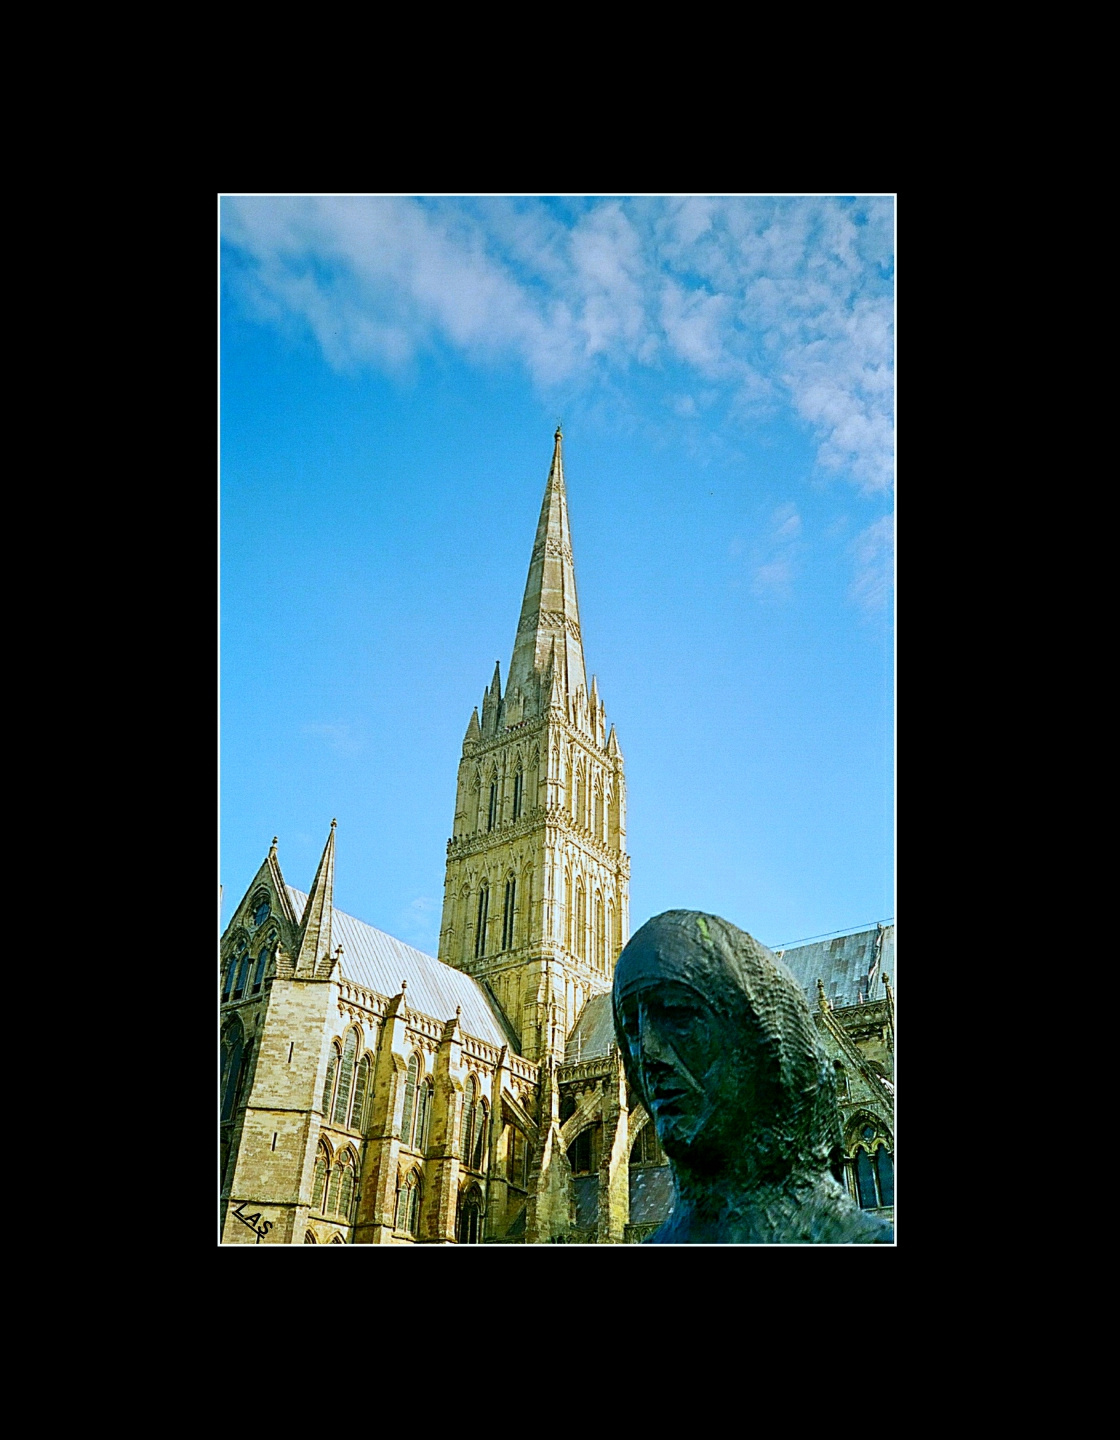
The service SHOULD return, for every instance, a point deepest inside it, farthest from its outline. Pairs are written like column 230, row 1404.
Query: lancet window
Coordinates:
column 234, row 966
column 518, row 1159
column 319, row 1179
column 874, row 1171
column 492, row 811
column 408, row 1204
column 361, row 1090
column 262, row 962
column 483, row 916
column 507, row 913
column 412, row 1080
column 600, row 938
column 340, row 1185
column 518, row 783
column 332, row 1075
column 235, row 1058
column 469, row 1229
column 581, row 921
column 341, row 1112
column 645, row 1149
column 476, row 1125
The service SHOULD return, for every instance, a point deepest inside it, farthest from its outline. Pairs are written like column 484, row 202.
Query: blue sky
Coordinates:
column 392, row 372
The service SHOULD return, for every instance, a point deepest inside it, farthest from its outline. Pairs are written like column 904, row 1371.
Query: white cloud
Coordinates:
column 338, row 737
column 776, row 566
column 873, row 552
column 772, row 300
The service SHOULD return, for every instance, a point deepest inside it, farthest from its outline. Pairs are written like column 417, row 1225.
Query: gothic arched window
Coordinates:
column 423, row 1114
column 600, row 939
column 483, row 916
column 340, row 1189
column 470, row 1217
column 361, row 1088
column 328, row 1083
column 233, row 1065
column 507, row 913
column 518, row 783
column 319, row 1180
column 345, row 1078
column 262, row 963
column 598, row 812
column 408, row 1205
column 492, row 813
column 411, row 1081
column 581, row 921
column 232, row 967
column 610, row 931
column 874, row 1171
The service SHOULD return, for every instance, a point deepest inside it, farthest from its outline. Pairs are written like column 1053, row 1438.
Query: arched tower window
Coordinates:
column 518, row 784
column 483, row 916
column 410, row 1085
column 361, row 1086
column 332, row 1074
column 507, row 913
column 233, row 964
column 262, row 963
column 598, row 811
column 581, row 920
column 600, row 939
column 611, row 942
column 233, row 1064
column 319, row 1181
column 345, row 1078
column 408, row 1204
column 567, row 910
column 492, row 811
column 241, row 968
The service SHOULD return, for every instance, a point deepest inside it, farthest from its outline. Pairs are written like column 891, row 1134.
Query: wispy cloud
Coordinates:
column 775, row 566
column 418, row 923
column 772, row 301
column 340, row 737
column 873, row 553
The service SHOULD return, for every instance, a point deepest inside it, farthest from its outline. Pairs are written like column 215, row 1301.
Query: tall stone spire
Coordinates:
column 315, row 927
column 550, row 611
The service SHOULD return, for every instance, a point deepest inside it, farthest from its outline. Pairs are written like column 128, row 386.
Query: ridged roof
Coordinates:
column 593, row 1033
column 380, row 962
column 843, row 964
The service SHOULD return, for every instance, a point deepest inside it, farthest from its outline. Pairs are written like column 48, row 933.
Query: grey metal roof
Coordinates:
column 593, row 1033
column 843, row 964
column 380, row 962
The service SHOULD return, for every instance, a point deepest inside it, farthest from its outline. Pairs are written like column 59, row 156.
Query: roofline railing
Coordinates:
column 832, row 934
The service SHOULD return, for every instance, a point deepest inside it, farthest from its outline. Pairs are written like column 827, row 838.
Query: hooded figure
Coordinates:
column 719, row 1045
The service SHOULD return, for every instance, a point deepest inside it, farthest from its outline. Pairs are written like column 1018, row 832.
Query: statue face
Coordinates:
column 679, row 1053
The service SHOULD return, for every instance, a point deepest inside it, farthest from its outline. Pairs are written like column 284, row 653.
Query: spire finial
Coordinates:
column 333, row 824
column 272, row 847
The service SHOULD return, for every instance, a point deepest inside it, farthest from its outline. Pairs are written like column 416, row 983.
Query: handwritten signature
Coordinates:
column 260, row 1228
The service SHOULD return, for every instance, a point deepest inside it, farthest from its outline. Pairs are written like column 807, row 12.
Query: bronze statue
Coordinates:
column 719, row 1045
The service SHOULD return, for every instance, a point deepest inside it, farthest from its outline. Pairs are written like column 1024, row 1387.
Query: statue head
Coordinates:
column 719, row 1045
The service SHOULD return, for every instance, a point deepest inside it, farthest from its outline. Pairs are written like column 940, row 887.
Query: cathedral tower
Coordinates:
column 536, row 897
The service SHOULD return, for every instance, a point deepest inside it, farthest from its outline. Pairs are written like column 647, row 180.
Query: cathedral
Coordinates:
column 375, row 1095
